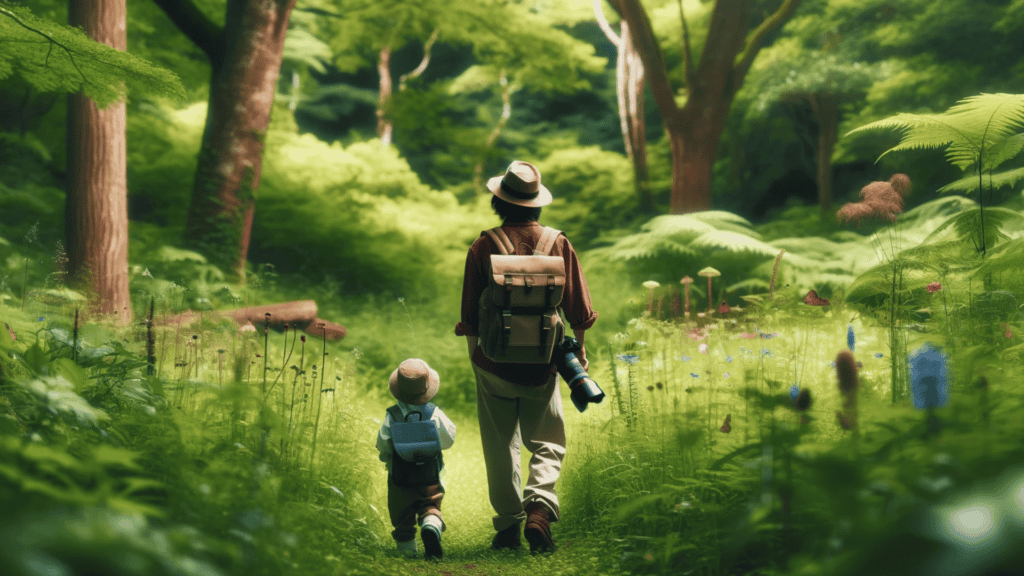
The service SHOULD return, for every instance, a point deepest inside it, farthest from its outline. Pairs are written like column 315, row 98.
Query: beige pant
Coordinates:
column 512, row 416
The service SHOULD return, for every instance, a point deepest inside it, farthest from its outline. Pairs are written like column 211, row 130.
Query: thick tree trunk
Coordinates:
column 96, row 209
column 826, row 114
column 695, row 129
column 244, row 80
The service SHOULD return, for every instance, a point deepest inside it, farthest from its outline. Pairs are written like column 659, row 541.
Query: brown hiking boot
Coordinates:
column 507, row 538
column 538, row 528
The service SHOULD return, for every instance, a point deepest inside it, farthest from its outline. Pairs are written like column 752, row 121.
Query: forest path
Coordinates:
column 467, row 514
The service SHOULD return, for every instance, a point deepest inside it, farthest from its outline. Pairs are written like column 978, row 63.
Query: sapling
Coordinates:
column 686, row 281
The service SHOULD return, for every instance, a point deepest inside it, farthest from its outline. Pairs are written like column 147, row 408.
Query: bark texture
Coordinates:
column 695, row 128
column 245, row 58
column 96, row 209
column 826, row 114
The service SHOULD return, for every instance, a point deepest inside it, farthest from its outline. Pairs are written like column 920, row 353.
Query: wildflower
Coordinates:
column 629, row 358
column 694, row 375
column 850, row 340
column 933, row 287
column 794, row 391
column 747, row 335
column 879, row 354
column 10, row 331
column 302, row 338
column 41, row 318
column 147, row 273
column 684, row 358
column 766, row 352
column 703, row 348
column 928, row 381
column 726, row 375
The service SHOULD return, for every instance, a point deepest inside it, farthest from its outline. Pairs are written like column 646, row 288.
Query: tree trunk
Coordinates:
column 637, row 130
column 384, row 126
column 826, row 114
column 96, row 209
column 629, row 91
column 246, row 61
column 695, row 129
column 506, row 113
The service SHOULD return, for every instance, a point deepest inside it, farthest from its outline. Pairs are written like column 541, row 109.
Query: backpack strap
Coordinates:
column 396, row 413
column 500, row 240
column 547, row 241
column 428, row 411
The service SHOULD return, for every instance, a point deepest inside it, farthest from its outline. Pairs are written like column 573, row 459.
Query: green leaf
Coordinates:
column 56, row 58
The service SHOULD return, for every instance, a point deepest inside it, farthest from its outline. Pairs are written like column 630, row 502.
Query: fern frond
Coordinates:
column 1006, row 150
column 733, row 242
column 971, row 128
column 1007, row 257
column 969, row 184
column 727, row 221
column 967, row 225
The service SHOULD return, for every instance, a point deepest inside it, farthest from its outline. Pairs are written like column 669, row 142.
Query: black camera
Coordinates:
column 583, row 389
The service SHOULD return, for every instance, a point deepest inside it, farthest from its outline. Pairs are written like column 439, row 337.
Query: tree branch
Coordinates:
column 49, row 39
column 603, row 23
column 196, row 26
column 753, row 44
column 687, row 55
column 415, row 72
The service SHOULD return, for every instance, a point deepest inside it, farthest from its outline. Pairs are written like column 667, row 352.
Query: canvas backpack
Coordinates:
column 416, row 447
column 519, row 319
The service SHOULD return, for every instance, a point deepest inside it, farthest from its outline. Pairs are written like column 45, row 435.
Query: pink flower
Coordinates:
column 697, row 334
column 933, row 287
column 703, row 348
column 747, row 335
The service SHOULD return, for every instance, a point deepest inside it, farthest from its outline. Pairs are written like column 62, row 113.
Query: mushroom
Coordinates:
column 709, row 273
column 651, row 285
column 686, row 281
column 723, row 308
column 812, row 299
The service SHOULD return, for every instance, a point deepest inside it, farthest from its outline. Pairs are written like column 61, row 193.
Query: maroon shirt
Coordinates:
column 575, row 297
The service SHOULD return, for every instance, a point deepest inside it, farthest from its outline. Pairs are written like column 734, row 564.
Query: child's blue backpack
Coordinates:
column 416, row 448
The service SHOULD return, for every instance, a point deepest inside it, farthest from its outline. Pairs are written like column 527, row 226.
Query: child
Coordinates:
column 410, row 502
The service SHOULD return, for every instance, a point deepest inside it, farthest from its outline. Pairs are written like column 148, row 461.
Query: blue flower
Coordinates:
column 629, row 358
column 684, row 358
column 849, row 338
column 694, row 375
column 766, row 352
column 40, row 318
column 726, row 374
column 728, row 359
column 878, row 354
column 928, row 380
column 743, row 348
column 794, row 391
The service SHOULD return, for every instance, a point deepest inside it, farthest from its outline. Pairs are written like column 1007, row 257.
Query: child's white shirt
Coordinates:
column 445, row 430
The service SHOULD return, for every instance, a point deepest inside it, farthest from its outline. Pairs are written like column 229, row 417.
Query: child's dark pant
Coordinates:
column 407, row 507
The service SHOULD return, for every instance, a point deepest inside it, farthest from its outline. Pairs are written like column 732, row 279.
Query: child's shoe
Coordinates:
column 430, row 533
column 407, row 549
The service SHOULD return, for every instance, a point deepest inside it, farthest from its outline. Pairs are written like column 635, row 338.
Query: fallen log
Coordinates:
column 298, row 315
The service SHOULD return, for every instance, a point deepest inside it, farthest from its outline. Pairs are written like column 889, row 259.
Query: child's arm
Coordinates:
column 445, row 429
column 384, row 440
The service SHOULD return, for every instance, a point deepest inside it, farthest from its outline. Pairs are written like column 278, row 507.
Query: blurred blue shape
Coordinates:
column 850, row 340
column 794, row 391
column 928, row 380
column 628, row 358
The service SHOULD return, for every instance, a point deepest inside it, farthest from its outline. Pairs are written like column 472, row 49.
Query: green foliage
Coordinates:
column 977, row 132
column 55, row 58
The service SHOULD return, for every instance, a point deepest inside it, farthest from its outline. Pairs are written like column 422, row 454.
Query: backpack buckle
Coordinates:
column 506, row 325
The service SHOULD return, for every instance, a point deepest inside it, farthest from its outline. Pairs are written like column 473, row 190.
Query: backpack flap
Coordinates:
column 415, row 441
column 527, row 281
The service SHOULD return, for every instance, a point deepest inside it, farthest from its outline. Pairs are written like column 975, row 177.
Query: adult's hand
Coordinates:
column 578, row 334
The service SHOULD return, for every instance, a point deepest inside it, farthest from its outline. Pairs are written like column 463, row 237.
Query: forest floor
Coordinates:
column 467, row 515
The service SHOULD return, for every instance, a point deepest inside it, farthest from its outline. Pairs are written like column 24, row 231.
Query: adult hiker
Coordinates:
column 518, row 399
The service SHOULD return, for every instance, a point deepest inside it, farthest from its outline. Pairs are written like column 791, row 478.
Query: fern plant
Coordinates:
column 980, row 132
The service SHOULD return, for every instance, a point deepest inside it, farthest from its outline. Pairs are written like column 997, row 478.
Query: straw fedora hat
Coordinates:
column 521, row 186
column 414, row 382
